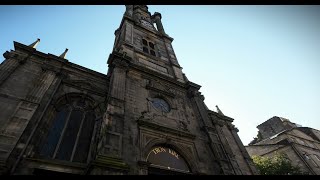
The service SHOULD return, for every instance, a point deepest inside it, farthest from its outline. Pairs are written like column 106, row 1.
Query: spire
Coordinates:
column 34, row 45
column 63, row 55
column 219, row 111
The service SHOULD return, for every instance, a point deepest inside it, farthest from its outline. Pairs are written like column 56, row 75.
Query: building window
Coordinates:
column 161, row 105
column 148, row 47
column 69, row 136
column 165, row 160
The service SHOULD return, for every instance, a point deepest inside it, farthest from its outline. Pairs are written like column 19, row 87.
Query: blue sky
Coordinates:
column 254, row 62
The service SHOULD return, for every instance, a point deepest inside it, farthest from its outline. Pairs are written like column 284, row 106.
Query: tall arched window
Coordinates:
column 69, row 136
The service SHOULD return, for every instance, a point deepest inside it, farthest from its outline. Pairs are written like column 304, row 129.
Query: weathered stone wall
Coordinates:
column 28, row 94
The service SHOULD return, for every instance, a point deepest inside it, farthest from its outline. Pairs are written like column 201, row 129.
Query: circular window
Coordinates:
column 161, row 105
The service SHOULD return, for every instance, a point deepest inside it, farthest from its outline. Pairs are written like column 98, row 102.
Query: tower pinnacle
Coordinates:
column 34, row 45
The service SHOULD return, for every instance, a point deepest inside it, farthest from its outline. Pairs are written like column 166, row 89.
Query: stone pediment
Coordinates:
column 165, row 129
column 84, row 84
column 160, row 87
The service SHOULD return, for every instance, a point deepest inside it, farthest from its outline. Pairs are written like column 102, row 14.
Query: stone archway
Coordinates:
column 165, row 159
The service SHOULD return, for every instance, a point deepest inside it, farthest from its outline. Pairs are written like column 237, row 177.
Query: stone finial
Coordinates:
column 34, row 45
column 157, row 19
column 219, row 111
column 157, row 15
column 63, row 55
column 129, row 10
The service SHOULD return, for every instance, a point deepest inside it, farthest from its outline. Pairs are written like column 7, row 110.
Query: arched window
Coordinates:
column 165, row 160
column 69, row 136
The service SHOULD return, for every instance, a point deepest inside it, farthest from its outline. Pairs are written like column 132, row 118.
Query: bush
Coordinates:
column 276, row 165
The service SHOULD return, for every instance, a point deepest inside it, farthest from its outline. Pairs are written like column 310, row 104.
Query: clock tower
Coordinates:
column 156, row 121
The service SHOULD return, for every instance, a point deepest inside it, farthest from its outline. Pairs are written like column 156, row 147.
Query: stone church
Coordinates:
column 143, row 117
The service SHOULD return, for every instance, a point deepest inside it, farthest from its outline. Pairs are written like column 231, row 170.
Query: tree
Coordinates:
column 276, row 165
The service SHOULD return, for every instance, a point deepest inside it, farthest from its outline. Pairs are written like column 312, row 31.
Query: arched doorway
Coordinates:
column 166, row 161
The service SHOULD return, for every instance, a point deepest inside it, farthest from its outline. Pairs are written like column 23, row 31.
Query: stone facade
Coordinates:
column 300, row 144
column 143, row 117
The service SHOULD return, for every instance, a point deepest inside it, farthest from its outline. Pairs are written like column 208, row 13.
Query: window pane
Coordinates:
column 152, row 53
column 52, row 139
column 145, row 50
column 69, row 136
column 151, row 45
column 83, row 146
column 144, row 42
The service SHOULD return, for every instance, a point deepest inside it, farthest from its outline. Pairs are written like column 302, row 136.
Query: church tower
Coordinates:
column 156, row 121
column 142, row 117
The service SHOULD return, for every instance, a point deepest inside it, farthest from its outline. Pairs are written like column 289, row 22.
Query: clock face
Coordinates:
column 161, row 105
column 146, row 24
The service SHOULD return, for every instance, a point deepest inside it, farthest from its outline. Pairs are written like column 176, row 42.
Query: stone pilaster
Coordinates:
column 41, row 86
column 246, row 156
column 10, row 64
column 143, row 167
column 13, row 130
column 207, row 127
column 232, row 163
column 112, row 127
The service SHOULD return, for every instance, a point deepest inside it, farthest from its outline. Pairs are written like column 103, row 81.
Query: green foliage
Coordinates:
column 276, row 165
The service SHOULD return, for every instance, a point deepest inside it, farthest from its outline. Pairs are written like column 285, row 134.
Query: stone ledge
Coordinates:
column 165, row 129
column 110, row 162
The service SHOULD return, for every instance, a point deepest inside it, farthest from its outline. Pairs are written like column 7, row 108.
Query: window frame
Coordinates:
column 70, row 106
column 146, row 47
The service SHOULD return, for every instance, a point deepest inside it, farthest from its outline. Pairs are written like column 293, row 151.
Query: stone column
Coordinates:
column 157, row 18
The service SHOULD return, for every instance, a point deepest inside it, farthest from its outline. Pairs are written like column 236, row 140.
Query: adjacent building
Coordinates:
column 143, row 117
column 300, row 144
